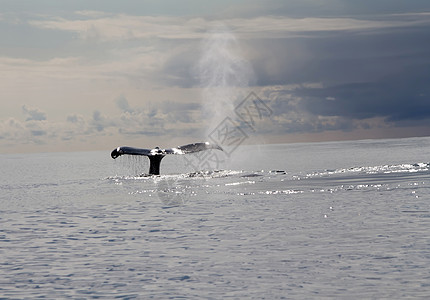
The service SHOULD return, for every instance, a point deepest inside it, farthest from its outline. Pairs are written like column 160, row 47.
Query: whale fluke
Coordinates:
column 156, row 155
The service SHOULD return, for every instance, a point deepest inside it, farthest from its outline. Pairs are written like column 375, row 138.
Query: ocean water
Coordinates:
column 345, row 220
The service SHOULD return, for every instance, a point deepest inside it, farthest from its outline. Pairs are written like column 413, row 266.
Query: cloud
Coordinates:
column 174, row 106
column 11, row 129
column 367, row 80
column 160, row 118
column 75, row 119
column 122, row 103
column 15, row 132
column 38, row 132
column 113, row 27
column 125, row 27
column 317, row 67
column 325, row 8
column 177, row 112
column 290, row 117
column 100, row 122
column 397, row 101
column 399, row 97
column 33, row 114
column 280, row 48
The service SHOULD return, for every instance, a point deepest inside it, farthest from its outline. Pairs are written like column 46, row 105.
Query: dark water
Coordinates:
column 326, row 220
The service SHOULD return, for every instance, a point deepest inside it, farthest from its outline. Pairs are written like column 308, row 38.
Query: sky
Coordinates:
column 94, row 75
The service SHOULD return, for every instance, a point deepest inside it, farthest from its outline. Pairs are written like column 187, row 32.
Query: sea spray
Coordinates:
column 223, row 73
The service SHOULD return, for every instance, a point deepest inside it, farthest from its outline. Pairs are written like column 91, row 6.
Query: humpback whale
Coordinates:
column 156, row 155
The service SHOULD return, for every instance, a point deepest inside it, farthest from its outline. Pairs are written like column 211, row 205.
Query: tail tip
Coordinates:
column 116, row 152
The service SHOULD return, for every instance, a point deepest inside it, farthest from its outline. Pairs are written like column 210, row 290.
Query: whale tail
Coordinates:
column 156, row 155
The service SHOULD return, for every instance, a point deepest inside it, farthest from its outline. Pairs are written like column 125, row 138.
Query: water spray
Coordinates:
column 223, row 72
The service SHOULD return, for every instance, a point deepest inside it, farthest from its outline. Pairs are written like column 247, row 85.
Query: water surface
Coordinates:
column 324, row 220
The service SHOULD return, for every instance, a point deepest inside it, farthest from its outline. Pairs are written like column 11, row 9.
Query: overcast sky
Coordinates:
column 93, row 75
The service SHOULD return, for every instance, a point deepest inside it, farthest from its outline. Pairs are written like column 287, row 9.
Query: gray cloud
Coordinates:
column 325, row 8
column 122, row 103
column 401, row 96
column 100, row 122
column 38, row 132
column 340, row 57
column 33, row 114
column 157, row 115
column 75, row 119
column 174, row 106
column 180, row 68
column 289, row 116
column 393, row 102
column 372, row 74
